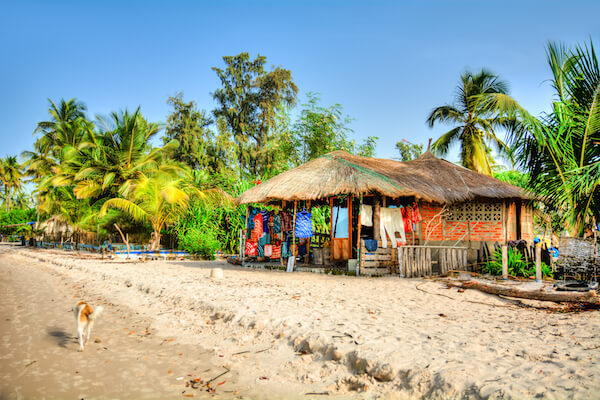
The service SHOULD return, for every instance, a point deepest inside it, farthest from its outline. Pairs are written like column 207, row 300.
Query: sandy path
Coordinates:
column 39, row 357
column 286, row 335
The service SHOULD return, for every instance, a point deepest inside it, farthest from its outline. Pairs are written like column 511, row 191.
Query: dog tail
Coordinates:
column 96, row 313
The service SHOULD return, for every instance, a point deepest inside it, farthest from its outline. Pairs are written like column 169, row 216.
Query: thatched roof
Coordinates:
column 55, row 226
column 428, row 178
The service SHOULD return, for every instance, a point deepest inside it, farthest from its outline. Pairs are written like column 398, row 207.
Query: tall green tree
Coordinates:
column 408, row 151
column 561, row 150
column 190, row 127
column 320, row 130
column 482, row 105
column 11, row 176
column 247, row 101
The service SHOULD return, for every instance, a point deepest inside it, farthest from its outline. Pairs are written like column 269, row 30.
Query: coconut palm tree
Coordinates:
column 561, row 150
column 122, row 153
column 10, row 175
column 482, row 105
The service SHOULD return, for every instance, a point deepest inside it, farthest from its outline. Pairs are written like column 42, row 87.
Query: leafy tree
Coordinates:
column 561, row 150
column 247, row 103
column 321, row 130
column 482, row 105
column 189, row 127
column 408, row 151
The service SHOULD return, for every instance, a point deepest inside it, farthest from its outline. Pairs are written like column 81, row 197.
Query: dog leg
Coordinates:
column 80, row 329
column 88, row 331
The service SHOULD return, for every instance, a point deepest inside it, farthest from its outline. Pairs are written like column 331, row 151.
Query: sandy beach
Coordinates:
column 279, row 335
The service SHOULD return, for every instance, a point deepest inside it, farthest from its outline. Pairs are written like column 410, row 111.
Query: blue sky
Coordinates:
column 387, row 63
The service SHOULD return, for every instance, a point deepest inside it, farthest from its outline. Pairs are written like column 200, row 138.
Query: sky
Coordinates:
column 387, row 63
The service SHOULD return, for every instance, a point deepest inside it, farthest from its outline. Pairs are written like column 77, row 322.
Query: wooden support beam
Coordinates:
column 504, row 262
column 377, row 218
column 358, row 246
column 538, row 263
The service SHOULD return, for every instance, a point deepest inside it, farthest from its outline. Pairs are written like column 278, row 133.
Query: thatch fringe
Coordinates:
column 427, row 178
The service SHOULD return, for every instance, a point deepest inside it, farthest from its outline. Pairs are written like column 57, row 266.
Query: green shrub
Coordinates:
column 516, row 265
column 202, row 241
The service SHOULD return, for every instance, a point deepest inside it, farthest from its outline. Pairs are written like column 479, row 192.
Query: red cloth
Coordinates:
column 251, row 248
column 406, row 220
column 415, row 213
column 257, row 232
column 276, row 253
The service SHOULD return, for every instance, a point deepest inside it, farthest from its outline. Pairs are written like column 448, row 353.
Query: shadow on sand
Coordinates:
column 62, row 338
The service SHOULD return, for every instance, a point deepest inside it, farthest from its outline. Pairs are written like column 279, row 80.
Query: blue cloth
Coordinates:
column 370, row 244
column 304, row 225
column 265, row 215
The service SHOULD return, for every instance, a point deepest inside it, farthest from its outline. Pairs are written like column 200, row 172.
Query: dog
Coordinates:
column 84, row 319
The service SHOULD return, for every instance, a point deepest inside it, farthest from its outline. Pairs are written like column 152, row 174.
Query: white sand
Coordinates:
column 352, row 337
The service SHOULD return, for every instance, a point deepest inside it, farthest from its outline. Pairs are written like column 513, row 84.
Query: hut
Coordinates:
column 413, row 218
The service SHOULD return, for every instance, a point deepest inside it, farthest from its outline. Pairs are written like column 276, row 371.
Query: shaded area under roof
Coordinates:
column 426, row 178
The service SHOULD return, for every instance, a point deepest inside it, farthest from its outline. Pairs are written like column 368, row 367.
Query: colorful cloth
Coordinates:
column 262, row 242
column 257, row 230
column 285, row 221
column 265, row 217
column 304, row 225
column 276, row 251
column 251, row 248
column 276, row 224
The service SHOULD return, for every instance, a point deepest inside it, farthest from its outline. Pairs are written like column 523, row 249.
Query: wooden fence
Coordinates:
column 417, row 261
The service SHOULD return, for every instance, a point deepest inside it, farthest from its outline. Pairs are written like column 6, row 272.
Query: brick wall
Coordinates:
column 435, row 228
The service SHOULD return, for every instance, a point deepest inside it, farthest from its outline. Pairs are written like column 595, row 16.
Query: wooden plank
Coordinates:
column 429, row 270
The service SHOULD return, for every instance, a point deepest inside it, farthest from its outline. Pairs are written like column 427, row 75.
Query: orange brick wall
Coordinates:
column 434, row 229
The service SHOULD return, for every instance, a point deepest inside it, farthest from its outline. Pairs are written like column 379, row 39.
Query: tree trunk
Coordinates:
column 125, row 239
column 533, row 294
column 155, row 241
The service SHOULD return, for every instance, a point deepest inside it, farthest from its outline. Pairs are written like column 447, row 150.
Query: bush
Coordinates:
column 198, row 240
column 516, row 265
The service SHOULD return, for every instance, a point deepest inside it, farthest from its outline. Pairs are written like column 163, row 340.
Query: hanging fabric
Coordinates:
column 304, row 225
column 285, row 221
column 366, row 215
column 257, row 231
column 391, row 222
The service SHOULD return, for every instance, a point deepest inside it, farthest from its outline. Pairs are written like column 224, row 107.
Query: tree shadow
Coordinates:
column 62, row 338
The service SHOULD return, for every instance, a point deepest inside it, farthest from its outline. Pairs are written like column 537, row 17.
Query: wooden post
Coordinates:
column 504, row 262
column 358, row 247
column 294, row 230
column 281, row 258
column 307, row 260
column 538, row 263
column 349, row 202
column 376, row 217
column 245, row 234
column 331, row 230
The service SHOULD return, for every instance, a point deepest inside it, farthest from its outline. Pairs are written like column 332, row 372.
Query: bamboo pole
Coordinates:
column 349, row 202
column 307, row 261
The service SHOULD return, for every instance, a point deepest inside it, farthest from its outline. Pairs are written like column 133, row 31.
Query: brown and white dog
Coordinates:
column 84, row 318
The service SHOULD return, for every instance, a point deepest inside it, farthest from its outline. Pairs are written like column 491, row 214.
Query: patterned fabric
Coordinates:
column 276, row 253
column 257, row 231
column 304, row 225
column 262, row 242
column 268, row 250
column 286, row 221
column 251, row 248
column 251, row 214
column 276, row 224
column 265, row 217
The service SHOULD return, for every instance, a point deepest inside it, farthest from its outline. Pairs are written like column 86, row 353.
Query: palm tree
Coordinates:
column 121, row 154
column 482, row 105
column 67, row 126
column 10, row 176
column 561, row 150
column 157, row 198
